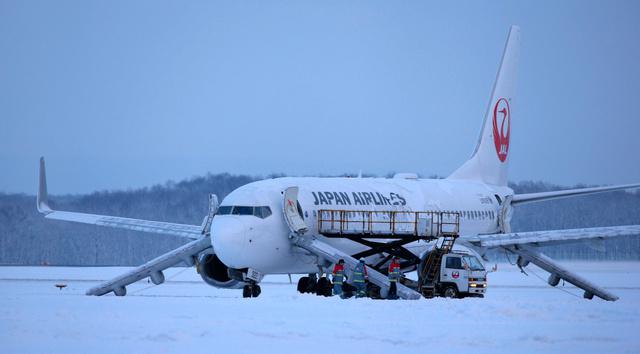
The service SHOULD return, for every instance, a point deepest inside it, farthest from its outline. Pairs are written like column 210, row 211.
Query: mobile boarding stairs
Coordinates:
column 385, row 233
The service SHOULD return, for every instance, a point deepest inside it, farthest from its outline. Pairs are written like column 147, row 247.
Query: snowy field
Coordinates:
column 519, row 315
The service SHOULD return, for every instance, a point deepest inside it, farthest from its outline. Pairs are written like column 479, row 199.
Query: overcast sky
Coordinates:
column 125, row 94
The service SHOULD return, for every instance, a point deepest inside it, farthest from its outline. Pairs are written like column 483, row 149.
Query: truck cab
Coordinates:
column 461, row 275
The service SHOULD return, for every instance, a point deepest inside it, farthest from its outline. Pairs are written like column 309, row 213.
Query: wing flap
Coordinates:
column 152, row 268
column 551, row 236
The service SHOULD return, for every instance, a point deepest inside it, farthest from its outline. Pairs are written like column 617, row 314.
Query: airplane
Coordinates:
column 303, row 225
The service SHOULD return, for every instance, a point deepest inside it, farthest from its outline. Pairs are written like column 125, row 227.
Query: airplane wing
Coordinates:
column 537, row 197
column 524, row 245
column 183, row 230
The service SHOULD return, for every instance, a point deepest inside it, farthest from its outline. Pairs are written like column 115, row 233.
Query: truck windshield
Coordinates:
column 472, row 262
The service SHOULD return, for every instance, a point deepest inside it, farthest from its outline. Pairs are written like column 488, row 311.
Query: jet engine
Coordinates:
column 216, row 273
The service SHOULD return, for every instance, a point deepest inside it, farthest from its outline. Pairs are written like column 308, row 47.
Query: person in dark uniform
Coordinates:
column 359, row 277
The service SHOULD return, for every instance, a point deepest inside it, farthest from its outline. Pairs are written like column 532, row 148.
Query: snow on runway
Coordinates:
column 520, row 314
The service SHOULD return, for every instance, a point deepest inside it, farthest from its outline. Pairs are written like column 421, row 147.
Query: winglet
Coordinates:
column 42, row 202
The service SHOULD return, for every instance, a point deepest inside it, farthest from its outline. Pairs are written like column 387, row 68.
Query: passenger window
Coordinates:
column 224, row 210
column 454, row 263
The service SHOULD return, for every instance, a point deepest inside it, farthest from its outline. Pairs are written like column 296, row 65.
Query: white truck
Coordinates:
column 461, row 275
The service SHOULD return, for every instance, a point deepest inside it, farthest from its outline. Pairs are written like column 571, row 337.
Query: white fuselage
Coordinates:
column 247, row 241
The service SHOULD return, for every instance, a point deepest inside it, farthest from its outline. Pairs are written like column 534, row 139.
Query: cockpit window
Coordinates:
column 242, row 210
column 262, row 211
column 259, row 211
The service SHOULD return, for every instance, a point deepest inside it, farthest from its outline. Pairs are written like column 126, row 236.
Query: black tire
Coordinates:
column 255, row 290
column 324, row 287
column 450, row 291
column 312, row 285
column 303, row 284
column 246, row 291
column 373, row 291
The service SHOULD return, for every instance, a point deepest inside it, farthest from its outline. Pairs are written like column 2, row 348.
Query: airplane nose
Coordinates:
column 228, row 236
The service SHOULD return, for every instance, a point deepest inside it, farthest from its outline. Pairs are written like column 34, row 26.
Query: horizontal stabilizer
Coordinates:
column 542, row 196
column 550, row 237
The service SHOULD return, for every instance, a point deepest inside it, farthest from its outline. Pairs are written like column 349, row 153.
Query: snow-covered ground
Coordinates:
column 520, row 314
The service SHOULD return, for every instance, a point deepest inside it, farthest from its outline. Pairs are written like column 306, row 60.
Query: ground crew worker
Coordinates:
column 359, row 277
column 338, row 278
column 394, row 277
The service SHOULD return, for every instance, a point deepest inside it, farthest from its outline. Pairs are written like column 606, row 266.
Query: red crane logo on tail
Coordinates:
column 501, row 132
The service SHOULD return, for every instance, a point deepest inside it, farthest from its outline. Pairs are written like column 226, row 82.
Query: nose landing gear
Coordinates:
column 251, row 289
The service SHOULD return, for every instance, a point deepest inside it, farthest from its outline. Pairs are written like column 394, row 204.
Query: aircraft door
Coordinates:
column 506, row 212
column 293, row 212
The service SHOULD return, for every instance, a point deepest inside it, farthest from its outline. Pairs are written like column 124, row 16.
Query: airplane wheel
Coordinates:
column 373, row 291
column 255, row 291
column 324, row 287
column 246, row 291
column 348, row 290
column 312, row 285
column 303, row 284
column 450, row 292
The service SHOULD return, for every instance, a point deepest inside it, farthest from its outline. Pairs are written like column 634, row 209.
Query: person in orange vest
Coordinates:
column 338, row 278
column 394, row 277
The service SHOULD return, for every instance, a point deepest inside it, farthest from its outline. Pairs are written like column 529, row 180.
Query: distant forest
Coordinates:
column 26, row 238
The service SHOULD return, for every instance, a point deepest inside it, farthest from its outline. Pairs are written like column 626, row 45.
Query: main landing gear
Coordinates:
column 251, row 289
column 312, row 285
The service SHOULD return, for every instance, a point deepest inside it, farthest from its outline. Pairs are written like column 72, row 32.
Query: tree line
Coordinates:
column 26, row 238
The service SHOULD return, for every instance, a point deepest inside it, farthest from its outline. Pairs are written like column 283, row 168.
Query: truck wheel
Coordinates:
column 450, row 292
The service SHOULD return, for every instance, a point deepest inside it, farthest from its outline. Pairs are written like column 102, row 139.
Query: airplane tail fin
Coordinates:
column 489, row 161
